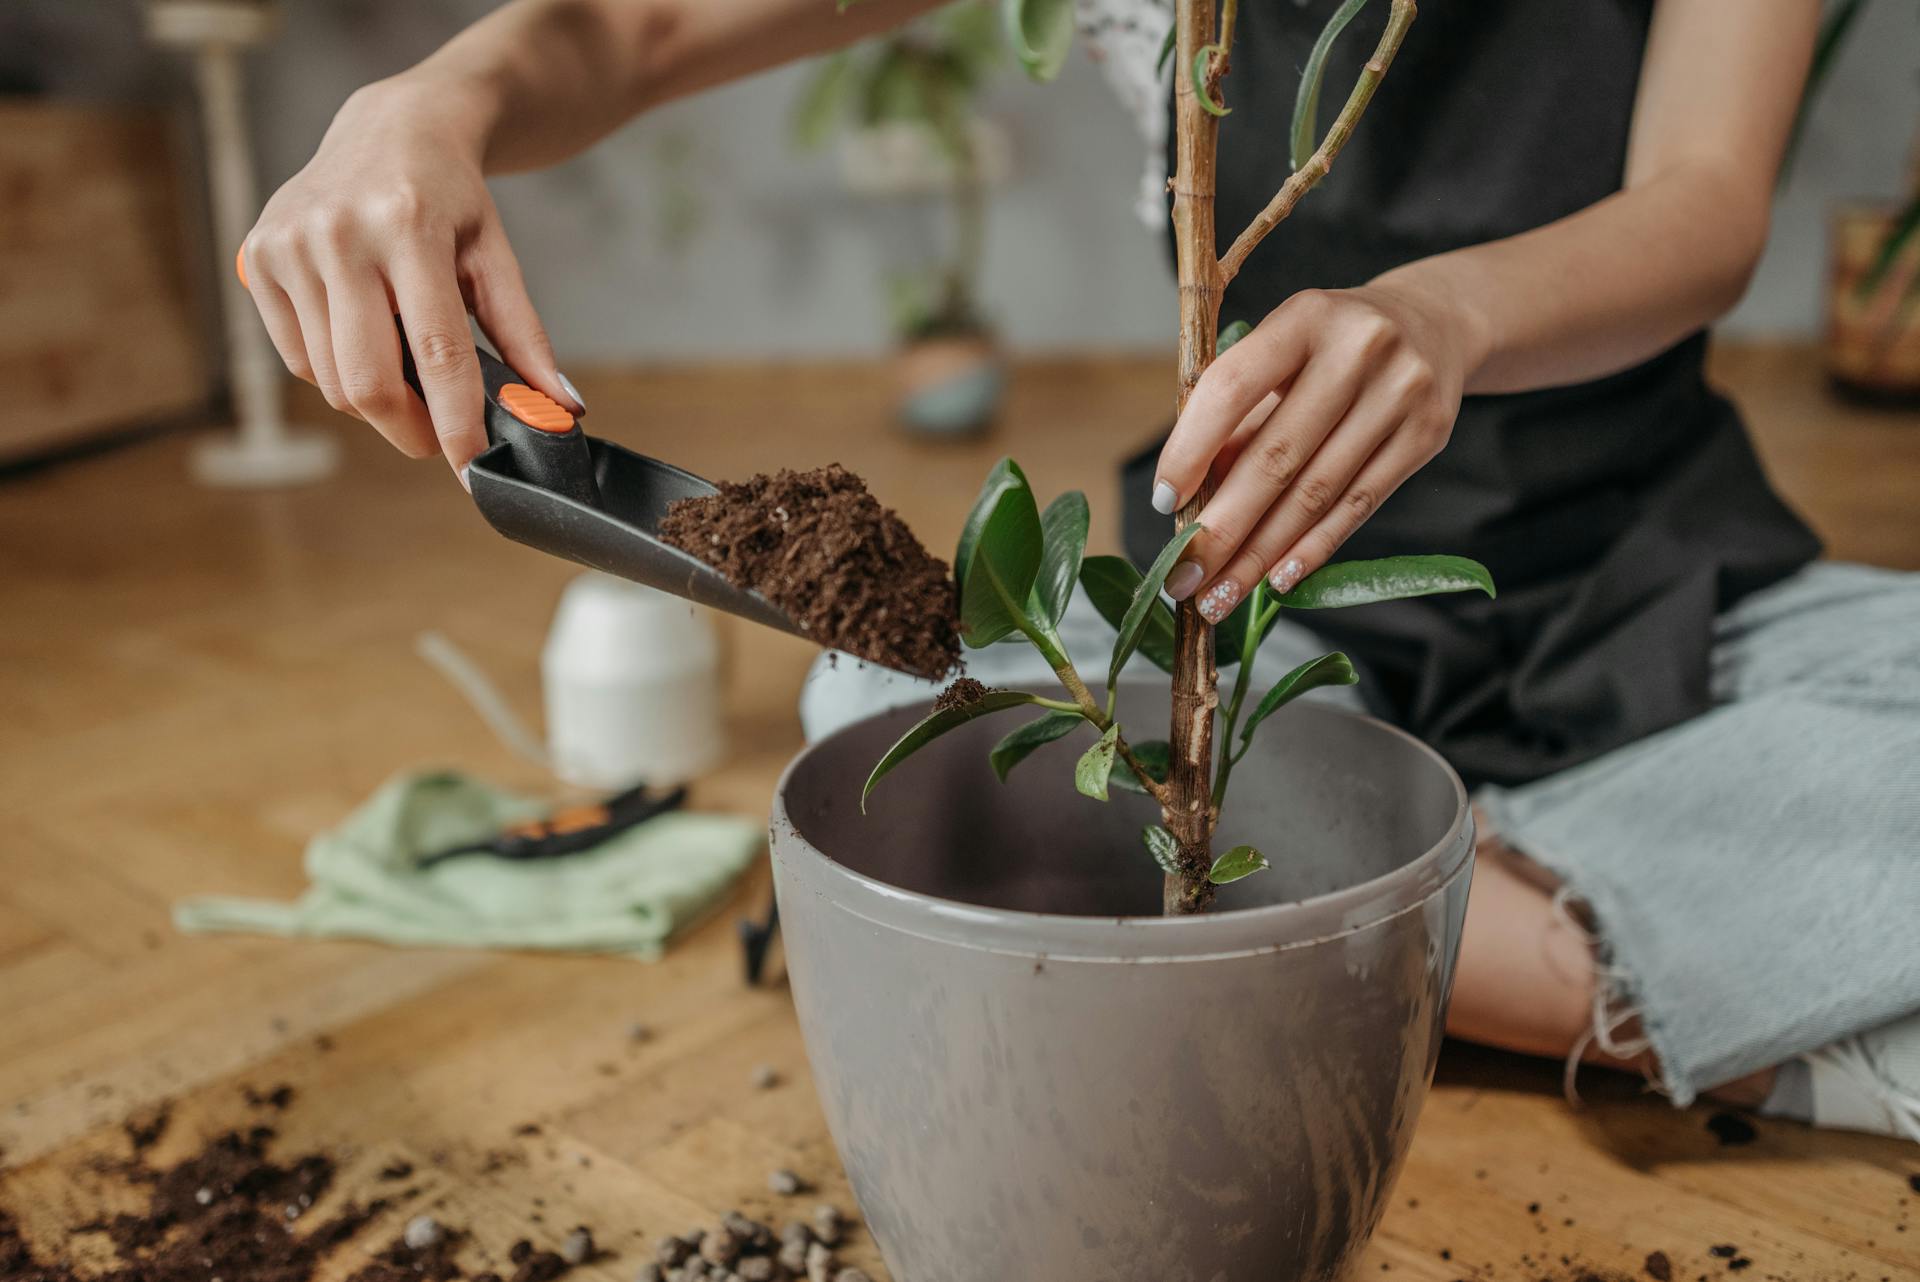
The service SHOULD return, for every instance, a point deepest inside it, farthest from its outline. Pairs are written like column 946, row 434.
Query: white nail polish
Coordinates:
column 1165, row 499
column 1219, row 601
column 571, row 390
column 1286, row 575
column 465, row 484
column 1184, row 578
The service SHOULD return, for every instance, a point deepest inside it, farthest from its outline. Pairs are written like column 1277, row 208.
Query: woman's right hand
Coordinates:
column 392, row 217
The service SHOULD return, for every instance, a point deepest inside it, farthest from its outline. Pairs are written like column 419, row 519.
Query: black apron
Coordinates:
column 1618, row 517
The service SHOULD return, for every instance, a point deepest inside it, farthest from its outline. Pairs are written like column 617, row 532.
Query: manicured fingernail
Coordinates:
column 1165, row 498
column 572, row 391
column 1184, row 578
column 465, row 484
column 1219, row 601
column 1286, row 575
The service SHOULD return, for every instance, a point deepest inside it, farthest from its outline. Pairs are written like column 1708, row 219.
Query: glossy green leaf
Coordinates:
column 1110, row 582
column 1231, row 335
column 935, row 724
column 1020, row 744
column 1328, row 670
column 1155, row 754
column 1391, row 578
column 1306, row 100
column 998, row 558
column 824, row 100
column 1096, row 763
column 1241, row 861
column 1040, row 33
column 1146, row 595
column 1063, row 532
column 1199, row 73
column 1161, row 845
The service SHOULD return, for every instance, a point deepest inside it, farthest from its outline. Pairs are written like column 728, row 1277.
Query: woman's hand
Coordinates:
column 1309, row 423
column 392, row 217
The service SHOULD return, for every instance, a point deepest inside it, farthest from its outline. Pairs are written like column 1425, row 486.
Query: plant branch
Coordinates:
column 1305, row 178
column 1187, row 810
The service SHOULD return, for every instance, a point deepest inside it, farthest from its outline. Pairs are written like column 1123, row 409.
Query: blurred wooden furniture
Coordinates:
column 198, row 680
column 99, row 327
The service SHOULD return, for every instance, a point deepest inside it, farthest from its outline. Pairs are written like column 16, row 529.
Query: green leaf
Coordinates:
column 1040, row 32
column 1241, row 861
column 1306, row 101
column 897, row 89
column 1166, row 49
column 1391, row 578
column 1231, row 335
column 1328, row 670
column 1207, row 104
column 1096, row 763
column 932, row 726
column 1145, row 597
column 1155, row 754
column 1020, row 744
column 998, row 558
column 1110, row 582
column 1063, row 531
column 1161, row 845
column 823, row 101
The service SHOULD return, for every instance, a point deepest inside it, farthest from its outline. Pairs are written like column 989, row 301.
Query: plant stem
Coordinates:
column 1257, row 620
column 1303, row 179
column 1087, row 706
column 1187, row 808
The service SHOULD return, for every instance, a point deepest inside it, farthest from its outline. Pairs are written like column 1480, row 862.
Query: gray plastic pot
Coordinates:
column 1032, row 1078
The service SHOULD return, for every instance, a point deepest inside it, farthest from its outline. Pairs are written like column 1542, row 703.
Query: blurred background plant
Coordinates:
column 905, row 111
column 1873, row 296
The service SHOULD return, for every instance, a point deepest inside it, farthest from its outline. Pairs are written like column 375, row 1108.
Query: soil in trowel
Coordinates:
column 824, row 550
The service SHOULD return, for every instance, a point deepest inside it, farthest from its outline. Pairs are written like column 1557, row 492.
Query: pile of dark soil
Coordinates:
column 963, row 693
column 824, row 550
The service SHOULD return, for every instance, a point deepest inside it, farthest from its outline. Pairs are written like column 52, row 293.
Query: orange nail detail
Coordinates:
column 240, row 266
column 535, row 408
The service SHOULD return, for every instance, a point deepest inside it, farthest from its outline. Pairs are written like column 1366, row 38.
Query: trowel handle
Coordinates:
column 546, row 443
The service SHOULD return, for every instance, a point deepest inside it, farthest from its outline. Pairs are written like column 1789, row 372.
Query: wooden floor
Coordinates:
column 191, row 683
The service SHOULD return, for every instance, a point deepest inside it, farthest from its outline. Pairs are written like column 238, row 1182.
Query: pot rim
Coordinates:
column 1270, row 928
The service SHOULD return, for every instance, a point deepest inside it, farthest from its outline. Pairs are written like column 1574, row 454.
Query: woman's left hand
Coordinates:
column 1309, row 423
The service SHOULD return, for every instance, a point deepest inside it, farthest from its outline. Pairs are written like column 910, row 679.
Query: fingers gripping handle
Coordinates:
column 547, row 446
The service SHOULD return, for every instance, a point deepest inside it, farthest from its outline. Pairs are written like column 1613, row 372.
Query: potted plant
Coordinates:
column 1041, row 1053
column 905, row 109
column 1873, row 282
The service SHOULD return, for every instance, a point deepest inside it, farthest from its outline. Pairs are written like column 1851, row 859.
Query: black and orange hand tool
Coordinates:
column 545, row 483
column 567, row 831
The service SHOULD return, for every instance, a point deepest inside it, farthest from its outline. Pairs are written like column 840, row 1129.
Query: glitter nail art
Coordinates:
column 1219, row 601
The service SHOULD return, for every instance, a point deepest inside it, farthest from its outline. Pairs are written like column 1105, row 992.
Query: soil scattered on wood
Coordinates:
column 824, row 550
column 963, row 693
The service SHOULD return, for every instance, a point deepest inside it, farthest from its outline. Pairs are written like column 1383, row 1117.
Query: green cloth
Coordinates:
column 628, row 895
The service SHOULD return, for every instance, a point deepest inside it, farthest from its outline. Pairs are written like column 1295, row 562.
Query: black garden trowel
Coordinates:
column 544, row 482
